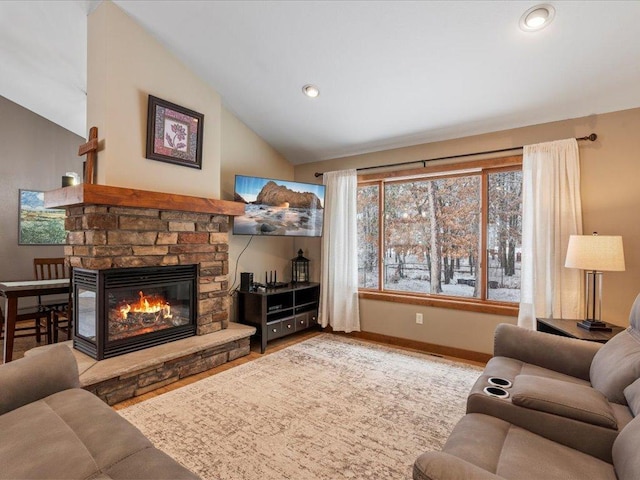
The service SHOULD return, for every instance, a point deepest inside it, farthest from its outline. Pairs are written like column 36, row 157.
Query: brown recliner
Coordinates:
column 569, row 412
column 567, row 390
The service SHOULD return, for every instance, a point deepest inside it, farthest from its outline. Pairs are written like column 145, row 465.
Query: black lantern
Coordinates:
column 300, row 269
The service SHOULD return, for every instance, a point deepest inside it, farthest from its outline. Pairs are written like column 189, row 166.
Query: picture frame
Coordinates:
column 174, row 133
column 38, row 225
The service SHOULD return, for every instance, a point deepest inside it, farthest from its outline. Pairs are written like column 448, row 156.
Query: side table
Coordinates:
column 569, row 328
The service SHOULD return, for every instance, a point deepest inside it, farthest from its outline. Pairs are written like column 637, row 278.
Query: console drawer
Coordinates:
column 274, row 330
column 288, row 326
column 302, row 321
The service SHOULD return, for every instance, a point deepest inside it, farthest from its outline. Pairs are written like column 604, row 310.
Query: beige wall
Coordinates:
column 34, row 153
column 245, row 153
column 610, row 171
column 125, row 66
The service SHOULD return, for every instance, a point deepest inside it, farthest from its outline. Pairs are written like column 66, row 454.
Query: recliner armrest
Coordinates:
column 37, row 376
column 443, row 466
column 570, row 400
column 565, row 355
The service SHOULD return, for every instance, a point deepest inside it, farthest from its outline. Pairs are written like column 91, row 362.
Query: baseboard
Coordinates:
column 419, row 346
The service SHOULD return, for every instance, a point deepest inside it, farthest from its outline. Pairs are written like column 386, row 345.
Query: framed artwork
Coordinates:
column 174, row 133
column 38, row 225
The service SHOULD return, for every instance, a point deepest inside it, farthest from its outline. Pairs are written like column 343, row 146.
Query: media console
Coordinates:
column 277, row 312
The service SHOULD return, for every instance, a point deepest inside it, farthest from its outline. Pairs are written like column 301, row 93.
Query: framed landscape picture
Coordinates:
column 174, row 133
column 38, row 225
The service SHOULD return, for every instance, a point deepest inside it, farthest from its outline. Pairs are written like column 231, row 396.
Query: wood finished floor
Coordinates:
column 272, row 347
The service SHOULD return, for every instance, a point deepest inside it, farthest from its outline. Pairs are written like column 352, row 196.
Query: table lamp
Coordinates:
column 594, row 254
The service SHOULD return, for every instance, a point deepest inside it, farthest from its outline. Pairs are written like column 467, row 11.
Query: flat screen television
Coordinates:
column 278, row 207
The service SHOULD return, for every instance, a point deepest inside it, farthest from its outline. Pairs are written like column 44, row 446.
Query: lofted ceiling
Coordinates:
column 390, row 73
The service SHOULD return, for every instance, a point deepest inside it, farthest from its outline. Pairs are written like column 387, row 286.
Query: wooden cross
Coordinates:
column 90, row 149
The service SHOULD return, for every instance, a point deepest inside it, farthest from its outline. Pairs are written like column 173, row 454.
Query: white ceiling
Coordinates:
column 391, row 73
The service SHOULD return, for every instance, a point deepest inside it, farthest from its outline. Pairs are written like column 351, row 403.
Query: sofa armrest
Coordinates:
column 561, row 354
column 443, row 466
column 37, row 376
column 570, row 400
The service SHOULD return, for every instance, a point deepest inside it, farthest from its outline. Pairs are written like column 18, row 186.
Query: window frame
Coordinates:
column 483, row 168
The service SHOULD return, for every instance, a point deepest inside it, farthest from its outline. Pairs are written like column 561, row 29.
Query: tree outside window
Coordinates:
column 504, row 236
column 368, row 228
column 434, row 236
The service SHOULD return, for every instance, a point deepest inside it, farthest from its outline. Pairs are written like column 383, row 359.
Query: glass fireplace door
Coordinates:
column 121, row 310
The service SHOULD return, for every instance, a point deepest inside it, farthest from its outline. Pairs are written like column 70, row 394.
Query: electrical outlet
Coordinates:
column 419, row 318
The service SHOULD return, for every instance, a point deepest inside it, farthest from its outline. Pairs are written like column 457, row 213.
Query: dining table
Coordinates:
column 14, row 290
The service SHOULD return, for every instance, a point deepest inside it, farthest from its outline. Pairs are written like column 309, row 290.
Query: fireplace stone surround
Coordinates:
column 114, row 227
column 104, row 237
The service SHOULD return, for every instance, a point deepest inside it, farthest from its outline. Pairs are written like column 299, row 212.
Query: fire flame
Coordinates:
column 151, row 304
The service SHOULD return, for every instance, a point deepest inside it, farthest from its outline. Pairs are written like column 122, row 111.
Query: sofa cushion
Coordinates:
column 632, row 394
column 515, row 453
column 148, row 463
column 509, row 368
column 616, row 366
column 440, row 466
column 568, row 356
column 73, row 434
column 625, row 452
column 36, row 443
column 47, row 374
column 569, row 400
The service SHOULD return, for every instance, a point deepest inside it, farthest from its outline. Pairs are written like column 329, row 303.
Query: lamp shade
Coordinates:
column 595, row 252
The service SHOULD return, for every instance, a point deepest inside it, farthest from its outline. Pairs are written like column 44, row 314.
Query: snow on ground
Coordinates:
column 422, row 286
column 417, row 280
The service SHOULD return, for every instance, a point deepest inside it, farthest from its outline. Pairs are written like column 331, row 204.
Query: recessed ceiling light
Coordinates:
column 311, row 91
column 536, row 18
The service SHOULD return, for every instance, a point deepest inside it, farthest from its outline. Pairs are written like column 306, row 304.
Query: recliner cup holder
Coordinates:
column 500, row 382
column 497, row 392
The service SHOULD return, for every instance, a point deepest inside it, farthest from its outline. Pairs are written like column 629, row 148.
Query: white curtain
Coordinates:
column 551, row 212
column 339, row 298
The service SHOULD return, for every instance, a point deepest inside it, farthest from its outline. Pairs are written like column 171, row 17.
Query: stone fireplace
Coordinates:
column 120, row 228
column 113, row 228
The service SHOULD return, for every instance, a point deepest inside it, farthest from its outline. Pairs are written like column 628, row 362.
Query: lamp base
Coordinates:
column 594, row 325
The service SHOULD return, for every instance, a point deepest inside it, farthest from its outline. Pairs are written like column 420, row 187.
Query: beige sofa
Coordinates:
column 570, row 411
column 50, row 428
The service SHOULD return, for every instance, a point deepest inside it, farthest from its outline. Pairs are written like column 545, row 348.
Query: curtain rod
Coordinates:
column 591, row 138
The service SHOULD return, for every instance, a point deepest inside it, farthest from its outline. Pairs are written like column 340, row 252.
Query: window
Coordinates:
column 431, row 232
column 504, row 235
column 368, row 213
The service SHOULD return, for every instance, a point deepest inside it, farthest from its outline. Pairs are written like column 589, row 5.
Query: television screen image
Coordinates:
column 278, row 207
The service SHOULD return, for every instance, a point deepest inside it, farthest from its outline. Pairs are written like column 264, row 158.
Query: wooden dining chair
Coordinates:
column 62, row 319
column 28, row 323
column 51, row 268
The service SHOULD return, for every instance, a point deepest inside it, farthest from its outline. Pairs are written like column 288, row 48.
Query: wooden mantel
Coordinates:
column 92, row 194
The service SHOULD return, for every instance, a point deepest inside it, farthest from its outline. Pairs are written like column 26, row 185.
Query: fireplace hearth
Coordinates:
column 121, row 310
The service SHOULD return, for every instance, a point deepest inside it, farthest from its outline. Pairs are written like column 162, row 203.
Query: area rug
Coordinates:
column 327, row 408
